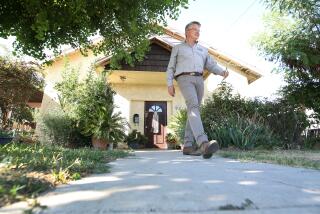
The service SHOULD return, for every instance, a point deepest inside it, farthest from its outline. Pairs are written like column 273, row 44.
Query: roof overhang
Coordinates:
column 240, row 67
column 248, row 71
column 137, row 77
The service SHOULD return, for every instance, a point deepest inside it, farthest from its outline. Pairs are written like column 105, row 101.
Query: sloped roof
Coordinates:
column 171, row 38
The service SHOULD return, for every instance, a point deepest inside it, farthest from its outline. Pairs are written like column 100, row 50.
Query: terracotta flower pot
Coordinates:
column 99, row 143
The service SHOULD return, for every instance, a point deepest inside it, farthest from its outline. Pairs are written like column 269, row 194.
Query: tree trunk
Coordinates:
column 5, row 117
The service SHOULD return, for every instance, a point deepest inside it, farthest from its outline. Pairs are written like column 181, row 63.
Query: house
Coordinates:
column 141, row 91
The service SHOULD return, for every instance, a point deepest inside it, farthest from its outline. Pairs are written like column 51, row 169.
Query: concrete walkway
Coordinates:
column 168, row 182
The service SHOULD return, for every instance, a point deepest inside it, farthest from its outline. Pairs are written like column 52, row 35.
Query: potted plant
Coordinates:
column 172, row 141
column 108, row 130
column 97, row 116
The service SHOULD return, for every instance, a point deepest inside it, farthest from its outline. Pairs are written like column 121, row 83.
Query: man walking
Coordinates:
column 187, row 62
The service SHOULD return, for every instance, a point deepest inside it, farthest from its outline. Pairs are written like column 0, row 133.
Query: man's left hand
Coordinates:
column 225, row 74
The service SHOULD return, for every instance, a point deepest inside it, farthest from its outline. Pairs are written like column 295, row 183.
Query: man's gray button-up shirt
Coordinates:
column 185, row 58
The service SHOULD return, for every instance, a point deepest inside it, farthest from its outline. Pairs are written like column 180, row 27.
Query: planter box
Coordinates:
column 99, row 143
column 5, row 140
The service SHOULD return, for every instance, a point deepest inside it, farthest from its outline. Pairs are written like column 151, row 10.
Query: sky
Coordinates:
column 228, row 25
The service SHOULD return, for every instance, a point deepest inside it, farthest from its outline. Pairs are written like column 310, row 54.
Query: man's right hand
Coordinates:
column 171, row 90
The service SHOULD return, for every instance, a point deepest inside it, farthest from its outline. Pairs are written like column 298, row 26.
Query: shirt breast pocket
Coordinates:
column 184, row 56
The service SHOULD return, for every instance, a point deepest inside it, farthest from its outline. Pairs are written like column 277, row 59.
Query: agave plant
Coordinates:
column 107, row 126
column 242, row 133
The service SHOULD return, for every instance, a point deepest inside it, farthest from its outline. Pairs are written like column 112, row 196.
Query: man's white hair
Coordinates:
column 191, row 23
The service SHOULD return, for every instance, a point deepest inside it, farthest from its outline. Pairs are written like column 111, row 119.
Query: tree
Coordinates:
column 18, row 81
column 47, row 24
column 292, row 39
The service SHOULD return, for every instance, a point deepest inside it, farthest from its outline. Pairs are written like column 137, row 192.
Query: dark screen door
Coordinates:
column 155, row 123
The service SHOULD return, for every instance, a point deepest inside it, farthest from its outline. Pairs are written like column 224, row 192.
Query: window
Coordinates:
column 155, row 108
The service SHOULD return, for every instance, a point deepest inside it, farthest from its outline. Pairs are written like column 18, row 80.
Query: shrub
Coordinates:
column 91, row 106
column 18, row 82
column 310, row 143
column 172, row 141
column 311, row 139
column 23, row 114
column 223, row 103
column 285, row 120
column 178, row 123
column 136, row 140
column 242, row 133
column 56, row 127
column 59, row 129
column 6, row 133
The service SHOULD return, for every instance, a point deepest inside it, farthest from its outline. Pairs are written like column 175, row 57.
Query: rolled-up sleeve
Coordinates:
column 212, row 66
column 172, row 66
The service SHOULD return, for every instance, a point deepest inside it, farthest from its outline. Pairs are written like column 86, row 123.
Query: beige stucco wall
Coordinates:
column 136, row 95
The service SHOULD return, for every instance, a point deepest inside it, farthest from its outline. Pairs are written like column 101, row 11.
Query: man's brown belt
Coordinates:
column 189, row 73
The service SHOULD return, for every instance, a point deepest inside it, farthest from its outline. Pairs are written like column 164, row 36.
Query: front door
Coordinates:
column 155, row 122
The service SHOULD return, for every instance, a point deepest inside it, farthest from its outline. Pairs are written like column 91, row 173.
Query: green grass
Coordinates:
column 296, row 158
column 27, row 170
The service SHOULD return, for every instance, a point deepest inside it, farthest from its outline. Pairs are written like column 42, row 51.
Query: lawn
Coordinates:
column 27, row 170
column 295, row 158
